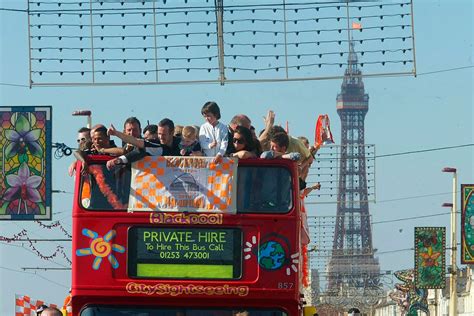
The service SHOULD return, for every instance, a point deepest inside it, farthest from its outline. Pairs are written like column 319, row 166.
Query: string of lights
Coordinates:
column 58, row 251
column 253, row 8
column 187, row 34
column 334, row 4
column 122, row 25
column 119, row 59
column 209, row 57
column 110, row 12
column 318, row 19
column 188, row 69
column 22, row 246
column 54, row 225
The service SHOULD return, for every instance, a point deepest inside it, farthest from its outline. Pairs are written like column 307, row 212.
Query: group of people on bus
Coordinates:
column 211, row 139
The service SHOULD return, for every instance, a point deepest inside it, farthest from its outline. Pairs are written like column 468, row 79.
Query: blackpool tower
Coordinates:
column 352, row 264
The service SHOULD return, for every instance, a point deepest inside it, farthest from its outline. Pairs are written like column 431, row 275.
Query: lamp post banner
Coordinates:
column 25, row 162
column 430, row 257
column 467, row 222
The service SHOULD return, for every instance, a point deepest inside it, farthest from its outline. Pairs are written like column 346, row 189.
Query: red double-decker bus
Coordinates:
column 189, row 263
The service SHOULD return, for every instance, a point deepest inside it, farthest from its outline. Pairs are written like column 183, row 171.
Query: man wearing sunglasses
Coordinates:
column 84, row 142
column 83, row 137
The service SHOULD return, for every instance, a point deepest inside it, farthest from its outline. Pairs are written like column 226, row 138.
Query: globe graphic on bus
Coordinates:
column 272, row 255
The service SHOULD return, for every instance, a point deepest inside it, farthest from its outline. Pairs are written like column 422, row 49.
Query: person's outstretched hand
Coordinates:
column 112, row 163
column 111, row 131
column 72, row 169
column 217, row 159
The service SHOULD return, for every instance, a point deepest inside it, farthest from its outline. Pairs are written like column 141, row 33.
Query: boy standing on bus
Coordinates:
column 213, row 135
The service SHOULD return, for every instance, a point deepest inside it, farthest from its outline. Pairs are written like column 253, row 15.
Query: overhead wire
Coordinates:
column 31, row 251
column 397, row 154
column 410, row 218
column 444, row 70
column 423, row 150
column 35, row 274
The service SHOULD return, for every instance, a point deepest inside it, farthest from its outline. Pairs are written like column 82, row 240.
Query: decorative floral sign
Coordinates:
column 25, row 160
column 430, row 257
column 467, row 219
column 409, row 298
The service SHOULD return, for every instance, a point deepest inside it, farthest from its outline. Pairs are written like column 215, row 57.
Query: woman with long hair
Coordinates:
column 244, row 143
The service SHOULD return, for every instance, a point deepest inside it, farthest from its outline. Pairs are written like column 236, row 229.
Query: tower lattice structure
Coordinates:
column 352, row 263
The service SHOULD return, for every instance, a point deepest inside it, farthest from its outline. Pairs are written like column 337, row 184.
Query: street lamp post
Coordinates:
column 84, row 113
column 453, row 302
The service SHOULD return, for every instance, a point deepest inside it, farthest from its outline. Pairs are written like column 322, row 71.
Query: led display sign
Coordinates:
column 187, row 253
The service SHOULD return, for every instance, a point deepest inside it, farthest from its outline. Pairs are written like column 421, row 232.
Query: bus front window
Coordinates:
column 264, row 190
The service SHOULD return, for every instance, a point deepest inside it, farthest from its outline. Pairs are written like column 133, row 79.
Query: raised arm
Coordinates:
column 137, row 142
column 269, row 120
column 114, row 151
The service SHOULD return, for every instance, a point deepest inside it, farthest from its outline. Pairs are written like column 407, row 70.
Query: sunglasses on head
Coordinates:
column 83, row 139
column 40, row 309
column 239, row 141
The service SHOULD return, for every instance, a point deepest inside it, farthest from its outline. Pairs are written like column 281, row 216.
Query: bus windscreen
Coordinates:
column 184, row 253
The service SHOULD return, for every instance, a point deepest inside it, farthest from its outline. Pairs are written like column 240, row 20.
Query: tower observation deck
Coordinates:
column 352, row 264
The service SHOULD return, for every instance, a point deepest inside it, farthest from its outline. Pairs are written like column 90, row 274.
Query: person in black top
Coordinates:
column 169, row 142
column 165, row 145
column 150, row 132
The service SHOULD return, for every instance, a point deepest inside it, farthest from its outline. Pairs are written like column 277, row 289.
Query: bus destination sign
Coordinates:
column 191, row 253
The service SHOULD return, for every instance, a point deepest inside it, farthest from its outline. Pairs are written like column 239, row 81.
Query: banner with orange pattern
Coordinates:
column 26, row 306
column 193, row 184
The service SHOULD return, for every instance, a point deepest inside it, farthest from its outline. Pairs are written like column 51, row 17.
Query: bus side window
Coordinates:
column 98, row 200
column 109, row 190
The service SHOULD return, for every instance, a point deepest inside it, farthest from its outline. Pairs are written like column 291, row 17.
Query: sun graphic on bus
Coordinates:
column 101, row 247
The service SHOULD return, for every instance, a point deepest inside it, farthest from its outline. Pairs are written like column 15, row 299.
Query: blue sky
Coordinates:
column 405, row 114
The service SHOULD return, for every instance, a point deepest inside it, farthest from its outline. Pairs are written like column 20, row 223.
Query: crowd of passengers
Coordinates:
column 211, row 139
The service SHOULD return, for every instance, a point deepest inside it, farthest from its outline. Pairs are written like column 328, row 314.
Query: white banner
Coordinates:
column 183, row 184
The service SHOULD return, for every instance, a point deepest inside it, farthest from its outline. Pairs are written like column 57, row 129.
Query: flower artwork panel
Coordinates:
column 430, row 257
column 467, row 222
column 25, row 163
